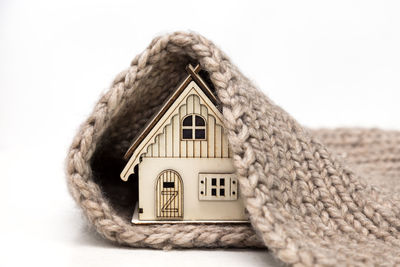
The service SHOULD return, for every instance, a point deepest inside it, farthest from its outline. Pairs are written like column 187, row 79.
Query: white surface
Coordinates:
column 328, row 63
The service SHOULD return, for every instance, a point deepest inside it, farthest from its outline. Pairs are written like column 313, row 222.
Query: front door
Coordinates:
column 169, row 194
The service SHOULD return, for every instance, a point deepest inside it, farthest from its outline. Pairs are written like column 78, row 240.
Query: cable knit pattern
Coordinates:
column 315, row 197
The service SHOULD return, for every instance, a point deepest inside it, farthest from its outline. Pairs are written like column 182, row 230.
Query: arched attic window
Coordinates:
column 193, row 127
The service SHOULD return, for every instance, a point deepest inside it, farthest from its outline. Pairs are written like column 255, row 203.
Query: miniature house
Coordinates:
column 184, row 162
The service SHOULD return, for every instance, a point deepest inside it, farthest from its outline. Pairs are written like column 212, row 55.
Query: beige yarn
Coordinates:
column 315, row 197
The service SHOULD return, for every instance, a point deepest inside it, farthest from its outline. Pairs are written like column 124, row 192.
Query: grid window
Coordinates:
column 218, row 186
column 193, row 127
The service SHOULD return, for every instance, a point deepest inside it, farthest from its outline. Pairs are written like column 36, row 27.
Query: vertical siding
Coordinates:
column 161, row 139
column 218, row 141
column 211, row 136
column 190, row 104
column 203, row 144
column 149, row 152
column 155, row 146
column 168, row 142
column 175, row 130
column 196, row 104
column 190, row 148
column 182, row 113
column 197, row 149
column 225, row 145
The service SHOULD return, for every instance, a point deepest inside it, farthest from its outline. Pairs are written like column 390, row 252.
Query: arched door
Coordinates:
column 169, row 193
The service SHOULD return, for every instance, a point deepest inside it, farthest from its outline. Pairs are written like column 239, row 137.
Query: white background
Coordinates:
column 329, row 63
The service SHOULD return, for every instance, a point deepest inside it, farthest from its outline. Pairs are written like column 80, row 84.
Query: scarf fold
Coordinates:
column 315, row 197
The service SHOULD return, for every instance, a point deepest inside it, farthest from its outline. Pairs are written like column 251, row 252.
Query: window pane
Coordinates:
column 222, row 181
column 187, row 134
column 187, row 121
column 213, row 192
column 200, row 134
column 200, row 121
column 222, row 192
column 214, row 181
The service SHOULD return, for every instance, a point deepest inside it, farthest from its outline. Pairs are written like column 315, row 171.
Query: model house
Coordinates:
column 184, row 162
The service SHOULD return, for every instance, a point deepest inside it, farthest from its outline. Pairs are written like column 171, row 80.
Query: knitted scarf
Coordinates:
column 315, row 197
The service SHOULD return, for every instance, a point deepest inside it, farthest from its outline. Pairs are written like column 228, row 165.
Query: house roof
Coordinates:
column 193, row 75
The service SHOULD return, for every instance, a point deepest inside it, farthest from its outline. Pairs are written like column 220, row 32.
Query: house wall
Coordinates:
column 188, row 169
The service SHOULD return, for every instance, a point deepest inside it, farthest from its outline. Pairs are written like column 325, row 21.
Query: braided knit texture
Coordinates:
column 315, row 197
